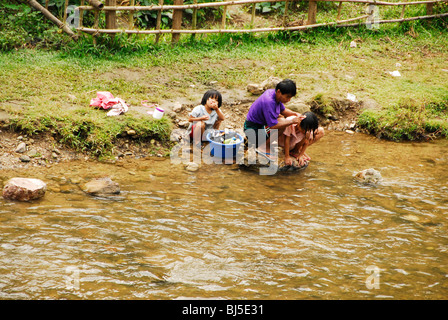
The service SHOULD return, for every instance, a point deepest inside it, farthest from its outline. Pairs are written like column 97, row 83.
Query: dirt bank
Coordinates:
column 18, row 150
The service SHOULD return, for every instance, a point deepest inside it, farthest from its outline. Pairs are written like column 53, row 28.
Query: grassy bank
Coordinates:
column 50, row 90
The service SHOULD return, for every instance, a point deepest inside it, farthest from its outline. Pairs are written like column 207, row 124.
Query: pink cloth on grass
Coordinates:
column 105, row 100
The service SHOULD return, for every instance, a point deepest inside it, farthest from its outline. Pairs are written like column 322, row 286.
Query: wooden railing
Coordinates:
column 110, row 7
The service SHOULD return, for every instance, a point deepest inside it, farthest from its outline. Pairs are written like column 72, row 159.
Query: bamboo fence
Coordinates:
column 110, row 9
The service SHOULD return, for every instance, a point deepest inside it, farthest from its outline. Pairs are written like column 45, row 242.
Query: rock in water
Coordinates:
column 192, row 166
column 369, row 176
column 255, row 163
column 101, row 186
column 292, row 168
column 24, row 189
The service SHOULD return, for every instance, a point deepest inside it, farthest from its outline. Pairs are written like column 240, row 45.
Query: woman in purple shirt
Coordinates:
column 264, row 114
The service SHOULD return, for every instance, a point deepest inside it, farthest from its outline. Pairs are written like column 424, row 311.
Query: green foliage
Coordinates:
column 16, row 22
column 107, row 47
column 148, row 19
column 23, row 27
column 322, row 104
column 407, row 121
column 268, row 7
column 74, row 66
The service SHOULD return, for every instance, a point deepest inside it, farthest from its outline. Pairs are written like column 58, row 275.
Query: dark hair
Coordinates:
column 287, row 86
column 310, row 123
column 212, row 94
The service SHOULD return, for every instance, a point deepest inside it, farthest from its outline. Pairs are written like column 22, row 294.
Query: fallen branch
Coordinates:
column 52, row 18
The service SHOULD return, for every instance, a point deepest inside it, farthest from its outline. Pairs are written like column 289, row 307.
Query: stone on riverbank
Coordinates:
column 21, row 148
column 258, row 89
column 24, row 189
column 101, row 187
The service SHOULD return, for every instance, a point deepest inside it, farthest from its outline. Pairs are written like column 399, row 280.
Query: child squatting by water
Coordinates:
column 296, row 138
column 205, row 117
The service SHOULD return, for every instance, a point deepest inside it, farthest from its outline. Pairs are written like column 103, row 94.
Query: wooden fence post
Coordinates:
column 194, row 22
column 286, row 12
column 159, row 21
column 111, row 16
column 339, row 11
column 96, row 20
column 177, row 21
column 312, row 11
column 429, row 8
column 131, row 15
column 96, row 3
column 224, row 17
column 64, row 19
column 252, row 19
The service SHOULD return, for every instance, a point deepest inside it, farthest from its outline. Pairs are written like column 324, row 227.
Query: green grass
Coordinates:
column 408, row 121
column 88, row 129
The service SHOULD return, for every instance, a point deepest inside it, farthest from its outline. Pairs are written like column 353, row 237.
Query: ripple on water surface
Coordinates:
column 226, row 233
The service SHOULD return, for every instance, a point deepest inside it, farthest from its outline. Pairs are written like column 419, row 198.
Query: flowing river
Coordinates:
column 226, row 233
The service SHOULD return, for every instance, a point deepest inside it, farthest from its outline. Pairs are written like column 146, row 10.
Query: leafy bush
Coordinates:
column 24, row 27
column 148, row 19
column 407, row 121
column 268, row 7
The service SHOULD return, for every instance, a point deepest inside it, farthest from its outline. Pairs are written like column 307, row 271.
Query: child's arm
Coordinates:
column 288, row 160
column 221, row 116
column 288, row 120
column 201, row 118
column 302, row 147
column 197, row 114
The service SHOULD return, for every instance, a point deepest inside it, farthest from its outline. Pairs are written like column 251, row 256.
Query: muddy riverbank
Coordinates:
column 18, row 150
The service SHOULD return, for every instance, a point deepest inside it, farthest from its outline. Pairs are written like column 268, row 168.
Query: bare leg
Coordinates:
column 216, row 125
column 198, row 131
column 266, row 148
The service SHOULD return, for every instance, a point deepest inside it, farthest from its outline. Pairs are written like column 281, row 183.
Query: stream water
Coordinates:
column 227, row 233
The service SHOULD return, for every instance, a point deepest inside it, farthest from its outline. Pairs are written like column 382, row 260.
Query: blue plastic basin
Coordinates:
column 224, row 151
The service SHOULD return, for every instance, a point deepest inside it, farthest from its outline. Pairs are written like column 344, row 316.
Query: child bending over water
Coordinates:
column 298, row 137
